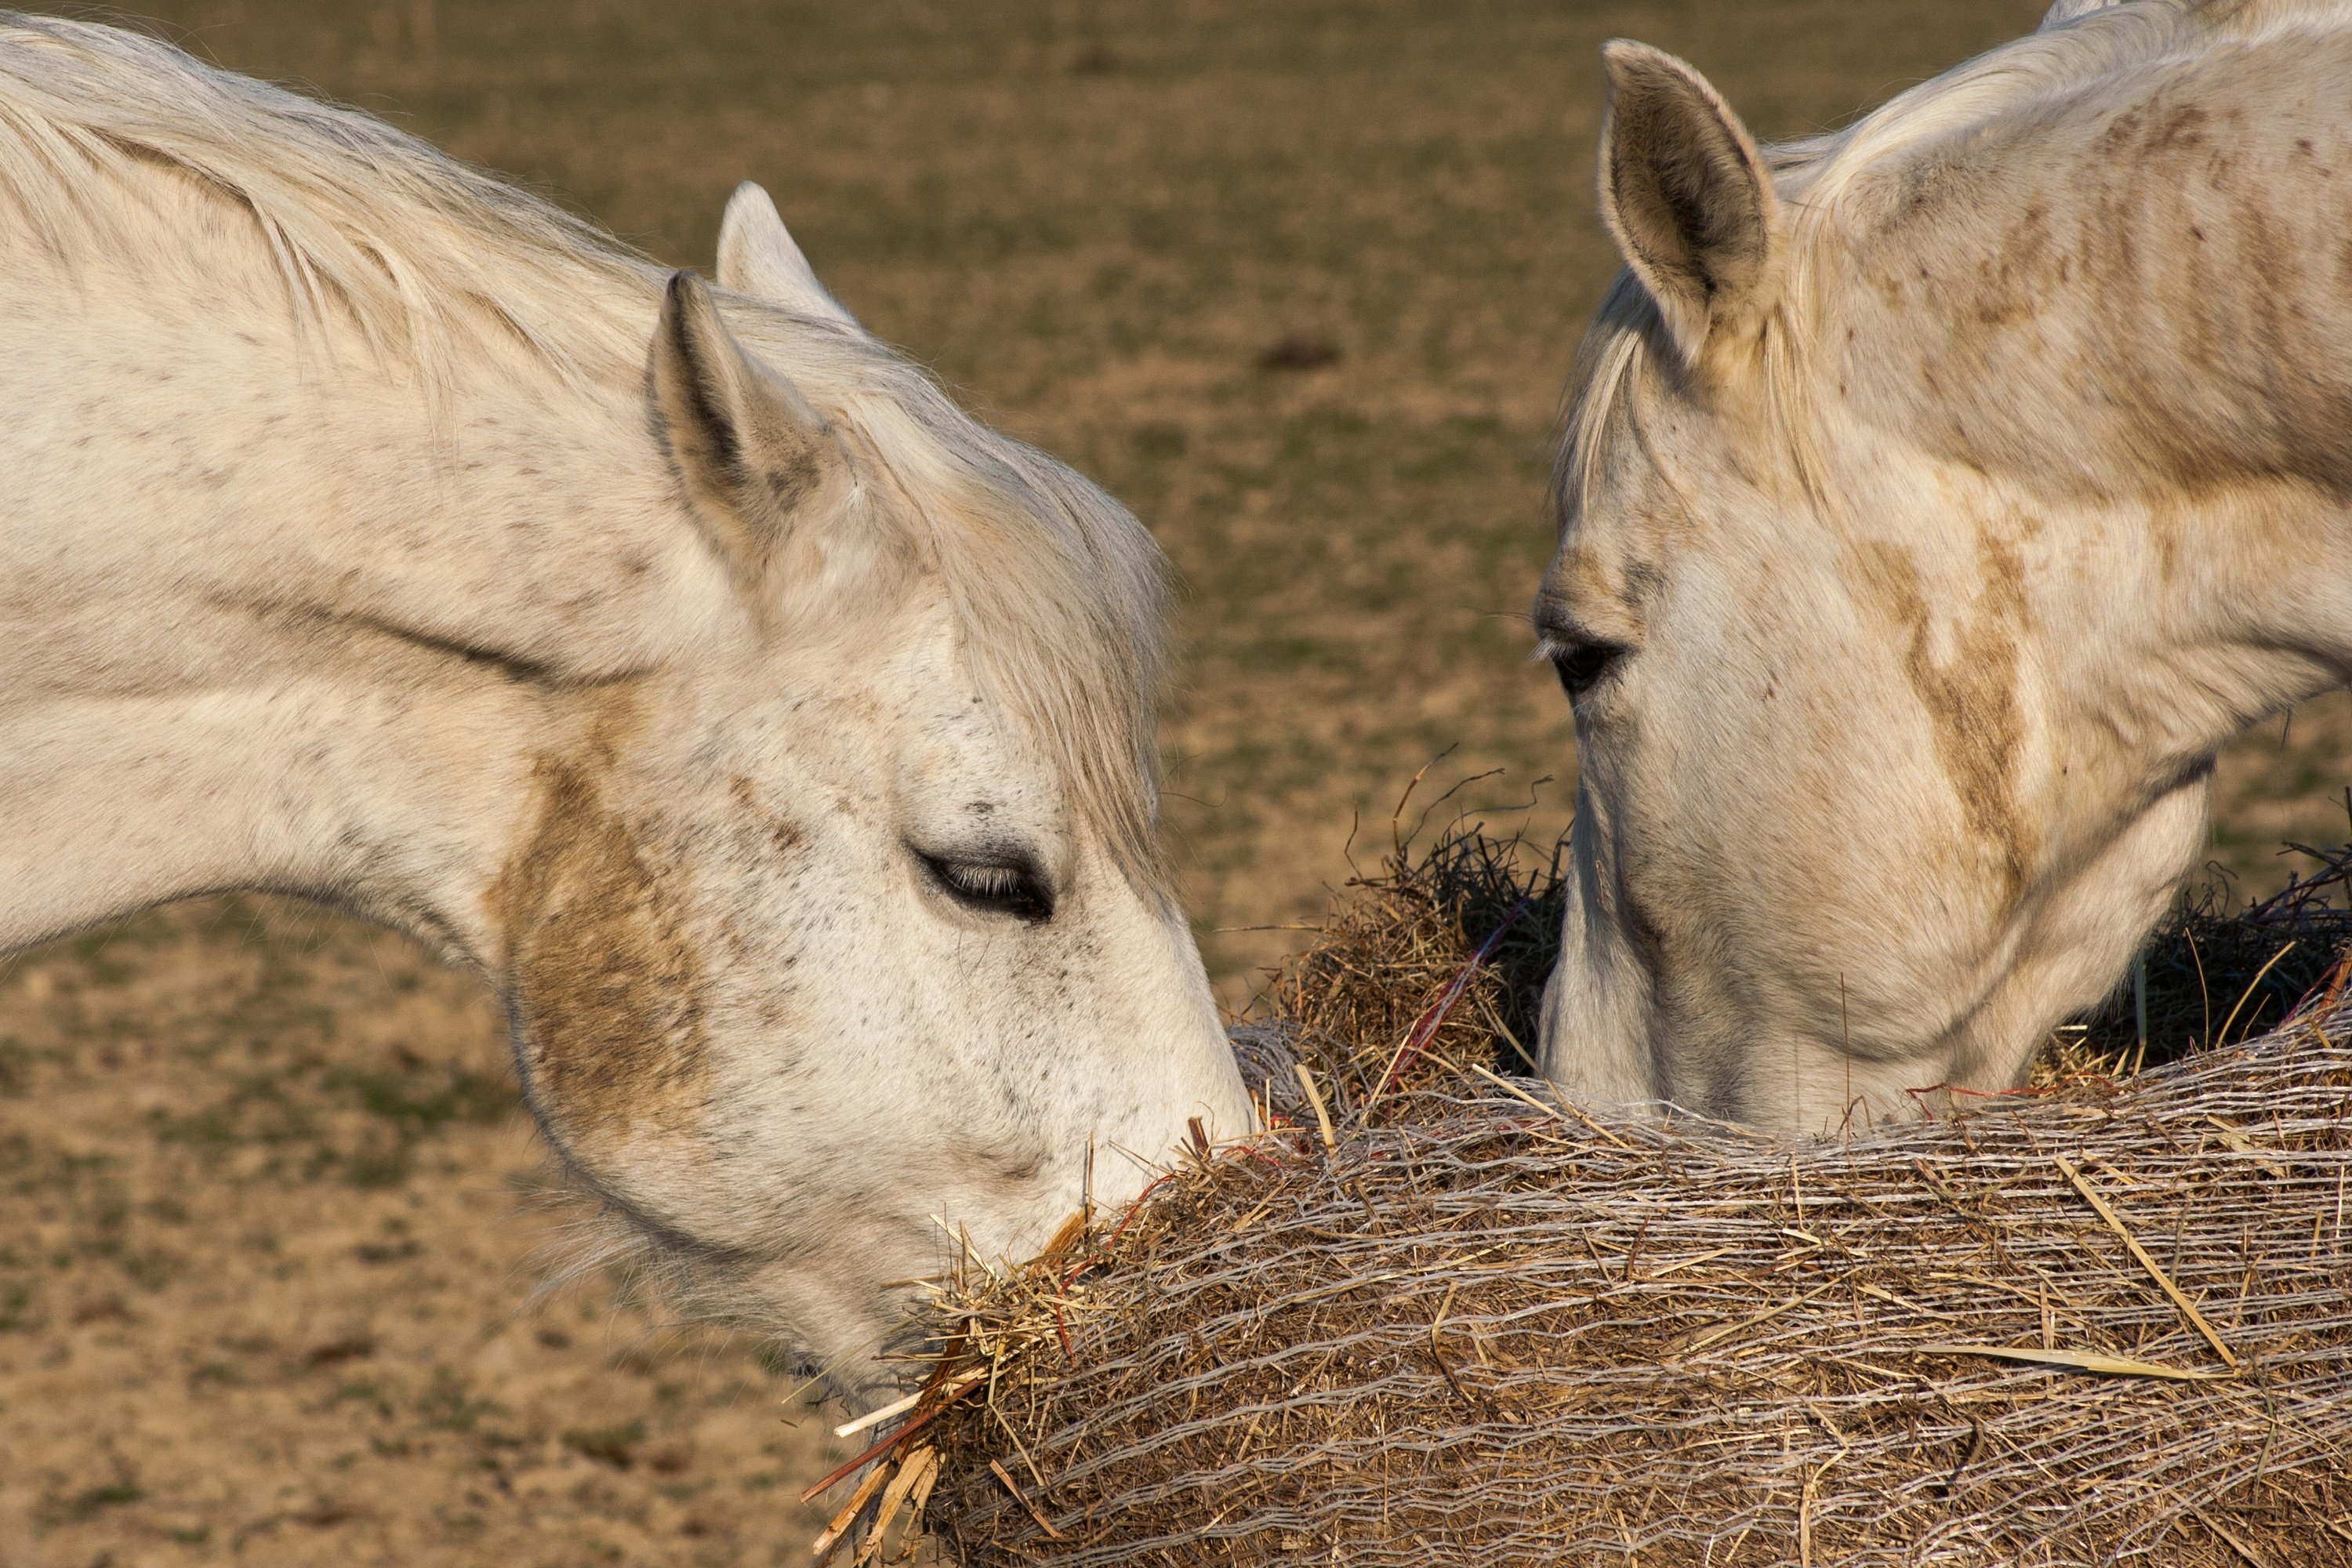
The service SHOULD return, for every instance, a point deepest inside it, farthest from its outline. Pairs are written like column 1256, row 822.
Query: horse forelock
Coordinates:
column 1060, row 599
column 1063, row 615
column 1626, row 331
column 1059, row 595
column 1058, row 589
column 1628, row 355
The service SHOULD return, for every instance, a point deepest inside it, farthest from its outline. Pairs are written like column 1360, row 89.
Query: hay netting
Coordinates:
column 2111, row 1322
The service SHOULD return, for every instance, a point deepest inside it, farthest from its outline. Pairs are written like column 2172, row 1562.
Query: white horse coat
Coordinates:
column 776, row 739
column 1939, row 496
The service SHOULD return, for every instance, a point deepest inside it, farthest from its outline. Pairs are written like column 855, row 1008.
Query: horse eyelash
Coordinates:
column 1581, row 665
column 998, row 887
column 987, row 881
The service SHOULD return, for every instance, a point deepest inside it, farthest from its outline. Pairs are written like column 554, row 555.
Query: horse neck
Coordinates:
column 2120, row 327
column 275, row 619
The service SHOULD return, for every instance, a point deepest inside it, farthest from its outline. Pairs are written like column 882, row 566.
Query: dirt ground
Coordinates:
column 1299, row 283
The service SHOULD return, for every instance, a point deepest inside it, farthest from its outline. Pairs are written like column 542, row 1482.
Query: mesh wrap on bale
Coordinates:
column 1483, row 1335
column 1486, row 1328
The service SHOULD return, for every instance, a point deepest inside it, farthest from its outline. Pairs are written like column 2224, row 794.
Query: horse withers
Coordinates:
column 1939, row 496
column 775, row 737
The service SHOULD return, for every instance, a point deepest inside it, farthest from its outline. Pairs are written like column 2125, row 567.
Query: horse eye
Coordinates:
column 1581, row 666
column 994, row 886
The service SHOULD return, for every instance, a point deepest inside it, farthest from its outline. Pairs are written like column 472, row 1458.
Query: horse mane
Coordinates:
column 1060, row 593
column 2081, row 43
column 366, row 226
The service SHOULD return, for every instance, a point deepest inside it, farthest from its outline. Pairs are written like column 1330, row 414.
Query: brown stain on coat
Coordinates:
column 1971, row 699
column 784, row 834
column 602, row 975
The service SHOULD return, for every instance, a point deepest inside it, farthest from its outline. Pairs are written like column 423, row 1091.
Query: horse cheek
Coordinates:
column 606, row 989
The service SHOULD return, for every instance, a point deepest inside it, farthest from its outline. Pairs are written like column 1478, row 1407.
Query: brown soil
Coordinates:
column 271, row 1232
column 1299, row 283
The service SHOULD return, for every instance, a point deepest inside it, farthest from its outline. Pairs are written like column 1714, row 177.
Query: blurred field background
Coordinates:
column 1300, row 282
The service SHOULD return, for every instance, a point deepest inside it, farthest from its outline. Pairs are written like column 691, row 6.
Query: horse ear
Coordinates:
column 748, row 447
column 1686, row 195
column 2065, row 11
column 757, row 256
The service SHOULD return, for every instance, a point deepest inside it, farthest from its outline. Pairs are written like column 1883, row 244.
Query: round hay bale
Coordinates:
column 2108, row 1322
column 1492, row 1334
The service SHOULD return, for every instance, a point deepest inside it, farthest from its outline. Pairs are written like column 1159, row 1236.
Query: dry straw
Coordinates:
column 2111, row 1322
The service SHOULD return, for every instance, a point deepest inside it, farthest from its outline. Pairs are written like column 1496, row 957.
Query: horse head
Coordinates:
column 844, row 945
column 1922, row 521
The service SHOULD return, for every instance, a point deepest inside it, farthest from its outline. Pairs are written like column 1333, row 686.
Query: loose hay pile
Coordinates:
column 2112, row 1322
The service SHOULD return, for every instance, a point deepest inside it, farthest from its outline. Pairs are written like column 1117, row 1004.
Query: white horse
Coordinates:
column 1937, row 498
column 777, row 740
